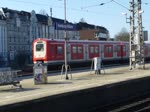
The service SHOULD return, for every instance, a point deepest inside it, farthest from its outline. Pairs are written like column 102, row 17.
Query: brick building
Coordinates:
column 92, row 32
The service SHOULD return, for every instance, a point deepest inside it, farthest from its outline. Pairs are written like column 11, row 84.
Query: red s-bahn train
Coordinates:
column 52, row 51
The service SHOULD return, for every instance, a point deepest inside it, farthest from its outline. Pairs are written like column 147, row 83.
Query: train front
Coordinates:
column 39, row 51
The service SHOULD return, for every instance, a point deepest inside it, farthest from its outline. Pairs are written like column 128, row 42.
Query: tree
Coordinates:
column 123, row 35
column 43, row 12
column 82, row 20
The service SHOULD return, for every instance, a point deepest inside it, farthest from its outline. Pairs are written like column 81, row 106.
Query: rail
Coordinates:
column 139, row 103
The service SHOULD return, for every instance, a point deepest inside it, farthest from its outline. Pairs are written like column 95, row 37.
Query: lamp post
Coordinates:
column 65, row 37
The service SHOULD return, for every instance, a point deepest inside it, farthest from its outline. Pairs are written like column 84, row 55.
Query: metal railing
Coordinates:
column 10, row 78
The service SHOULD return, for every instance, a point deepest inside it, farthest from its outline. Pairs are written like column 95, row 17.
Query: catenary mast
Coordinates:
column 136, row 36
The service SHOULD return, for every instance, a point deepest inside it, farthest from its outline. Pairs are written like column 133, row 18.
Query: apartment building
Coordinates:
column 19, row 29
column 92, row 32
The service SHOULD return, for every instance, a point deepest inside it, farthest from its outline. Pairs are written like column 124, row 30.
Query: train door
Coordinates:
column 68, row 52
column 85, row 51
column 108, row 51
column 124, row 49
column 94, row 51
column 76, row 51
column 127, row 50
column 80, row 51
column 146, row 51
column 52, row 52
column 121, row 51
column 102, row 51
column 57, row 52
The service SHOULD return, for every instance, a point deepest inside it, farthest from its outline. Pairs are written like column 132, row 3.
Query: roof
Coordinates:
column 56, row 20
column 12, row 12
column 82, row 25
column 42, row 18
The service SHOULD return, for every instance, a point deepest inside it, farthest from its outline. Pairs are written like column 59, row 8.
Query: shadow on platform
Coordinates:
column 18, row 89
column 60, row 82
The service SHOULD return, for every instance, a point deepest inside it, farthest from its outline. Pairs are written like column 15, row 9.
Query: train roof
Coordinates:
column 80, row 41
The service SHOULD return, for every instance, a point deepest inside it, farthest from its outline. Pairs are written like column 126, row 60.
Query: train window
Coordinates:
column 118, row 48
column 79, row 49
column 39, row 47
column 52, row 49
column 110, row 49
column 106, row 50
column 146, row 50
column 96, row 49
column 124, row 48
column 59, row 50
column 74, row 49
column 91, row 49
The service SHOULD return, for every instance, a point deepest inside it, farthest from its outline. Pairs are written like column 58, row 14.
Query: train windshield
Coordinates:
column 40, row 47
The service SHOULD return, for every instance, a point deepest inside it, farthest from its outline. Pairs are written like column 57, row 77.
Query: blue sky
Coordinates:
column 108, row 15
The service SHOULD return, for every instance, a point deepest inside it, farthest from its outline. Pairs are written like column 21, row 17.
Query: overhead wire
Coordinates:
column 73, row 9
column 120, row 4
column 96, row 5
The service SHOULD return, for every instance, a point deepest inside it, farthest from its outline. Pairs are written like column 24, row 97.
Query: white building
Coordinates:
column 3, row 39
column 18, row 29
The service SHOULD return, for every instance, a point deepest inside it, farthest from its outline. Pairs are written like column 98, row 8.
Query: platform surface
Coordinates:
column 82, row 79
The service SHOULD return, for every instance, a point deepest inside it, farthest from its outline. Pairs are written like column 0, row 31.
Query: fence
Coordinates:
column 10, row 77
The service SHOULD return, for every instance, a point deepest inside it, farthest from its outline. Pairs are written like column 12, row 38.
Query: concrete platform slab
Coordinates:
column 82, row 79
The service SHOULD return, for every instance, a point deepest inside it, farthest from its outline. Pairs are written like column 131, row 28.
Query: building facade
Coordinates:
column 17, row 24
column 3, row 41
column 19, row 29
column 92, row 32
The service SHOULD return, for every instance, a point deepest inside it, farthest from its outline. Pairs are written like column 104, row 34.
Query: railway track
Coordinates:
column 73, row 69
column 57, row 68
column 135, row 103
column 139, row 103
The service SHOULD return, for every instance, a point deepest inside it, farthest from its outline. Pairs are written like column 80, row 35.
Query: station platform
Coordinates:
column 81, row 80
